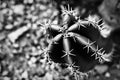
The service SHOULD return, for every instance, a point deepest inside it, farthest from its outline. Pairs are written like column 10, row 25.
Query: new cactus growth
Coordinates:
column 76, row 42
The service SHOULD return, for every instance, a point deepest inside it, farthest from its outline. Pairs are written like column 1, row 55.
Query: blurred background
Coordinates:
column 23, row 40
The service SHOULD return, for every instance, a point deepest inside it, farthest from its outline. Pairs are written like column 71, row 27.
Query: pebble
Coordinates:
column 18, row 9
column 107, row 74
column 33, row 59
column 9, row 27
column 15, row 45
column 6, row 78
column 2, row 35
column 101, row 68
column 1, row 26
column 15, row 34
column 24, row 75
column 1, row 17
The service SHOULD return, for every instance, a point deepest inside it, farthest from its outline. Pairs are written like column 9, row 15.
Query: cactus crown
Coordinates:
column 72, row 43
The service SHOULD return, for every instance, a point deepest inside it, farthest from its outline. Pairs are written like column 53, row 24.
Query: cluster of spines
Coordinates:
column 66, row 31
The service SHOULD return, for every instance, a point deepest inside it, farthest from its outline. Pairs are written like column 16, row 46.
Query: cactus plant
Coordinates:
column 77, row 42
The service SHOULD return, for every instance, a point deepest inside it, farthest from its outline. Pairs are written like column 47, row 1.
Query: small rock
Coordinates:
column 5, row 73
column 9, row 26
column 107, row 74
column 34, row 26
column 15, row 45
column 15, row 34
column 28, row 1
column 6, row 78
column 101, row 68
column 48, row 76
column 1, row 26
column 115, row 72
column 33, row 59
column 24, row 75
column 2, row 36
column 18, row 9
column 1, row 17
column 0, row 68
column 43, row 7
